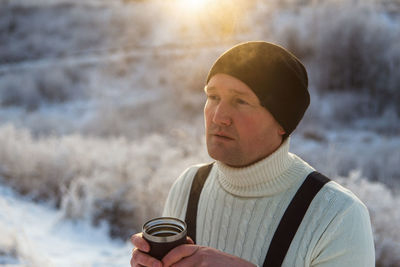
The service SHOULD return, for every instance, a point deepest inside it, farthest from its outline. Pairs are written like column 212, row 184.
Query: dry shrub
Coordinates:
column 115, row 180
column 30, row 90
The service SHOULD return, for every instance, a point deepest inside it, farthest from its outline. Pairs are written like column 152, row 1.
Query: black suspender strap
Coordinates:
column 292, row 218
column 194, row 196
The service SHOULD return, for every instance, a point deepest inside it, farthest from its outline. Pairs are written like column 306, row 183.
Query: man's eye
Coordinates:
column 241, row 101
column 212, row 97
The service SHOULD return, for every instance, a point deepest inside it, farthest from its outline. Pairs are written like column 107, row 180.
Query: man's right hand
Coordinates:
column 139, row 256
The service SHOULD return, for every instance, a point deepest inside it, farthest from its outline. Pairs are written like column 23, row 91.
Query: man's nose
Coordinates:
column 222, row 115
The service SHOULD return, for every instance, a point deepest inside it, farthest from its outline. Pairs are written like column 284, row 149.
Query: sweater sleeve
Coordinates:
column 347, row 241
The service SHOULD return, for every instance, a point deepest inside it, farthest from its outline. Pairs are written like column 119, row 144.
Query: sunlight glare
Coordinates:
column 193, row 5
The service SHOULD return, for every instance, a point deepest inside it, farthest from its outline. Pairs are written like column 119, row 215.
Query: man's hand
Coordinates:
column 139, row 256
column 193, row 255
column 139, row 253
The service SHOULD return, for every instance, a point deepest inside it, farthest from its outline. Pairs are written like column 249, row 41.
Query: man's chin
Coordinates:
column 215, row 153
column 225, row 156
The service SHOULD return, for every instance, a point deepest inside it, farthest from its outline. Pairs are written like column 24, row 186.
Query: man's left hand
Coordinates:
column 193, row 255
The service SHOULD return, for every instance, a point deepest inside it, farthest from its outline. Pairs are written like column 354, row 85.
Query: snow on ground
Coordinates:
column 36, row 235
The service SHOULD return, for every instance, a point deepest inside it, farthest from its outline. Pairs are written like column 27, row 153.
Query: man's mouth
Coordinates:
column 223, row 136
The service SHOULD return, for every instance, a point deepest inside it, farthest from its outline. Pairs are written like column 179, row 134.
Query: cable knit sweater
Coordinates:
column 240, row 209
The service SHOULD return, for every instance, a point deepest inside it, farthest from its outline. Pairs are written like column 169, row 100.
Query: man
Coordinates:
column 256, row 96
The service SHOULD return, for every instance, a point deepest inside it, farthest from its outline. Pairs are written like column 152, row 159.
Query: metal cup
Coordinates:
column 163, row 234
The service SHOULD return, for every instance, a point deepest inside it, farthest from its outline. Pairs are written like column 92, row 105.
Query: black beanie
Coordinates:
column 274, row 74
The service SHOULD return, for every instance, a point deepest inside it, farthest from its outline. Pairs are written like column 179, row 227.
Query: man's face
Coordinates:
column 239, row 131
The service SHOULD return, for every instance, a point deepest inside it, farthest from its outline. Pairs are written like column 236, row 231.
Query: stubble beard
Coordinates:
column 226, row 153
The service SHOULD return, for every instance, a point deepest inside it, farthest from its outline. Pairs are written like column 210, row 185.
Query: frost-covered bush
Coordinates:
column 30, row 90
column 339, row 152
column 34, row 31
column 348, row 45
column 335, row 111
column 122, row 182
column 123, row 96
column 27, row 34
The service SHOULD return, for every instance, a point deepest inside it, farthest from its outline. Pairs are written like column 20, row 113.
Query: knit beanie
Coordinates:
column 274, row 74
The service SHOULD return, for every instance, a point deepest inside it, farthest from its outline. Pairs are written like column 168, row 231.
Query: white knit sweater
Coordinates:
column 240, row 209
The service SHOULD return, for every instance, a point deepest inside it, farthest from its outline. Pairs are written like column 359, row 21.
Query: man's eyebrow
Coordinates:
column 238, row 92
column 212, row 88
column 209, row 88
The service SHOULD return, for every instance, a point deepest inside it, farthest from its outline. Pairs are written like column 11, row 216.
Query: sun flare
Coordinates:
column 213, row 19
column 193, row 5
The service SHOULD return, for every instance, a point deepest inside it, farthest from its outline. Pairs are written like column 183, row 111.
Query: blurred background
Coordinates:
column 101, row 110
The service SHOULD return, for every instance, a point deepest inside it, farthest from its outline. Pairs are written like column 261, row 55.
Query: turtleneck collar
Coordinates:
column 266, row 177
